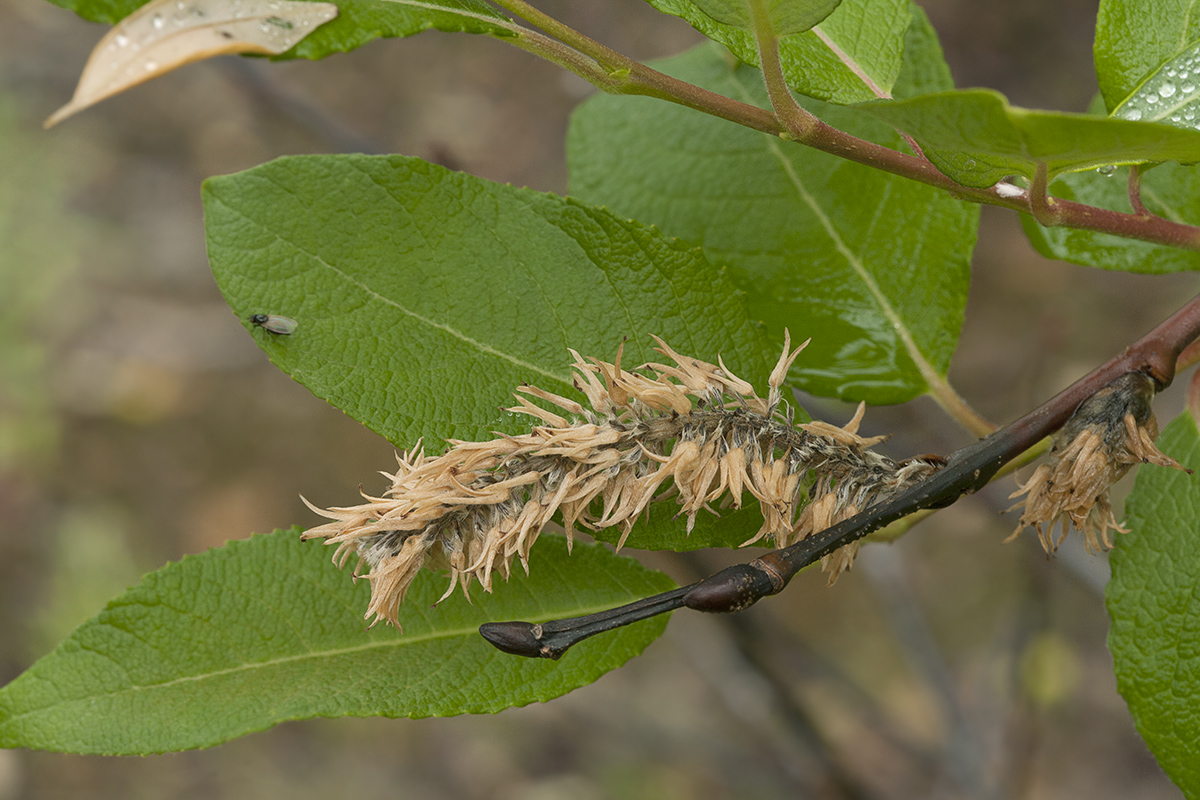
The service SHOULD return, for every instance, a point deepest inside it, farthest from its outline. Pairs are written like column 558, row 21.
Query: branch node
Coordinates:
column 732, row 589
column 1042, row 207
column 1135, row 191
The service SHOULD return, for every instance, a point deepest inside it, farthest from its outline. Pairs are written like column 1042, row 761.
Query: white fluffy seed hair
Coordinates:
column 690, row 430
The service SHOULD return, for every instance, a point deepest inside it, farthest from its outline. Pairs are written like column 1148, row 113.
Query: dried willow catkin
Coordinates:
column 692, row 431
column 1109, row 433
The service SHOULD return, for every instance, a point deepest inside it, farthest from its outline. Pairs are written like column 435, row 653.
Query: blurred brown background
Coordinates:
column 139, row 423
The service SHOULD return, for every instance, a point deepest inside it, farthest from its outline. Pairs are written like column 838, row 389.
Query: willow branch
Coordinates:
column 615, row 73
column 966, row 471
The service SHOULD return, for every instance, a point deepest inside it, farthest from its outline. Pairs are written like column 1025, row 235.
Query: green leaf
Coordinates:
column 786, row 16
column 854, row 55
column 358, row 21
column 266, row 630
column 828, row 248
column 361, row 21
column 1154, row 601
column 1168, row 190
column 797, row 16
column 924, row 68
column 1170, row 94
column 980, row 126
column 1135, row 37
column 424, row 297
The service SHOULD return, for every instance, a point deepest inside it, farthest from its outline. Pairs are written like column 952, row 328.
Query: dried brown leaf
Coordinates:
column 166, row 34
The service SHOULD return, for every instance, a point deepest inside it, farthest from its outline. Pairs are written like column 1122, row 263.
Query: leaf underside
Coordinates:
column 358, row 21
column 164, row 35
column 784, row 16
column 855, row 54
column 977, row 138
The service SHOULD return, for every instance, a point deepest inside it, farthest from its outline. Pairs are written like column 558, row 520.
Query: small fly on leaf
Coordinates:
column 275, row 324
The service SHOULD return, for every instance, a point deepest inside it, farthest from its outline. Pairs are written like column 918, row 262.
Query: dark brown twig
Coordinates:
column 967, row 470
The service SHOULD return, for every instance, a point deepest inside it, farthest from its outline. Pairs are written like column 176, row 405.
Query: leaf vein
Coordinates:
column 449, row 633
column 432, row 323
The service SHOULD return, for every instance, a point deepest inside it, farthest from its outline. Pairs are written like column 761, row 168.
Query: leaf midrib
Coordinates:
column 851, row 64
column 407, row 640
column 928, row 373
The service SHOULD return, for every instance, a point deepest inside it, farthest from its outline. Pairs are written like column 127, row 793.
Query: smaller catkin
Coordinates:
column 690, row 431
column 1109, row 433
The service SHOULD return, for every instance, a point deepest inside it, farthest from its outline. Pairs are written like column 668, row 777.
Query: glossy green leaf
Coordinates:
column 424, row 297
column 853, row 55
column 1135, row 37
column 1168, row 190
column 786, row 16
column 1154, row 602
column 266, row 630
column 1170, row 94
column 980, row 125
column 825, row 247
column 358, row 21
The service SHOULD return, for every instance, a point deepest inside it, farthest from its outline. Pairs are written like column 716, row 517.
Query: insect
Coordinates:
column 275, row 324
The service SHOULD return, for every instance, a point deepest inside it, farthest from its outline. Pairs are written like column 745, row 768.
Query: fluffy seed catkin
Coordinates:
column 691, row 427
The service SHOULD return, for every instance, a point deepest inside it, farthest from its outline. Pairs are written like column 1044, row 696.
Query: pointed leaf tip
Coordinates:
column 166, row 34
